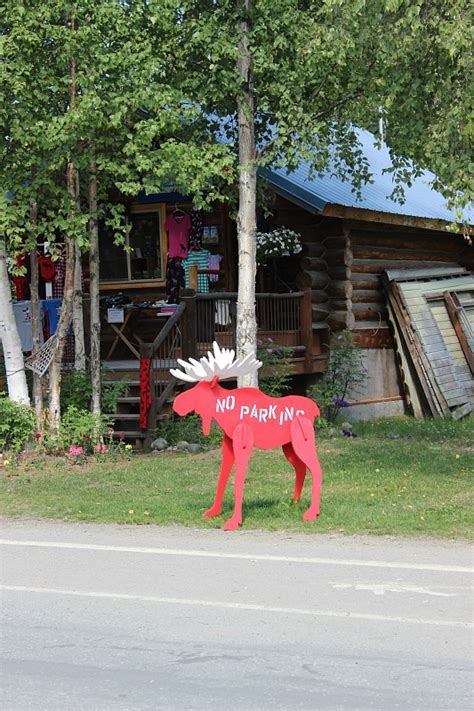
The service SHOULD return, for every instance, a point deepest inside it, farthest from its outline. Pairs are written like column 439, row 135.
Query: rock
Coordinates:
column 159, row 444
column 194, row 448
column 182, row 446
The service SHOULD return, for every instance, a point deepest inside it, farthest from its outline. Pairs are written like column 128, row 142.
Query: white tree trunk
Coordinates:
column 12, row 353
column 35, row 325
column 246, row 219
column 78, row 314
column 94, row 291
column 63, row 326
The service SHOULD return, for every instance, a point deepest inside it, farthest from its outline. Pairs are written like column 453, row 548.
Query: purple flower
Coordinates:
column 339, row 402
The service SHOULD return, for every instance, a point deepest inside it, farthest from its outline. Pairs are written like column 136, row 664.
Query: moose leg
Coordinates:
column 226, row 468
column 304, row 443
column 298, row 466
column 243, row 446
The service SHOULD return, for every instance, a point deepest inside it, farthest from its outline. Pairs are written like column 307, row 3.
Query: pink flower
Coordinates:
column 122, row 435
column 76, row 451
column 269, row 350
column 101, row 448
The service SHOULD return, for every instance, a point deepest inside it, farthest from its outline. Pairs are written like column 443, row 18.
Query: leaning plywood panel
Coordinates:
column 435, row 346
column 430, row 342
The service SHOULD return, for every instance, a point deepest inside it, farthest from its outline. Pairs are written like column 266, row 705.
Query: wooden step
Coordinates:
column 124, row 416
column 130, row 434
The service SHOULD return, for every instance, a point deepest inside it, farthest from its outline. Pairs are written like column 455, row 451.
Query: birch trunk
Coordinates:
column 94, row 291
column 35, row 325
column 246, row 336
column 78, row 314
column 63, row 326
column 68, row 295
column 12, row 353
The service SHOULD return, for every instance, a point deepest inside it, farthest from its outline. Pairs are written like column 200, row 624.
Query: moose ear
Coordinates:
column 214, row 381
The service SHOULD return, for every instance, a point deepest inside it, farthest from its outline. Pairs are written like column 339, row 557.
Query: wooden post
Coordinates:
column 307, row 330
column 188, row 321
column 454, row 309
column 193, row 277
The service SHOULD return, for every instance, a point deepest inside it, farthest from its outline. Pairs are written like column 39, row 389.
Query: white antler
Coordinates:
column 220, row 363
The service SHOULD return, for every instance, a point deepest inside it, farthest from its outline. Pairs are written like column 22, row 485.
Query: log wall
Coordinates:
column 376, row 248
column 342, row 262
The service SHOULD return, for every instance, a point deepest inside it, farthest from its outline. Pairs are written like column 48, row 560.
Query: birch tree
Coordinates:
column 284, row 80
column 11, row 345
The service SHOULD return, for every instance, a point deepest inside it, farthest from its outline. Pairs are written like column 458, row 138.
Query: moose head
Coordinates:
column 220, row 365
column 249, row 419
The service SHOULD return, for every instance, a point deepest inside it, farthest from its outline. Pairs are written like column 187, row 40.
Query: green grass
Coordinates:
column 397, row 477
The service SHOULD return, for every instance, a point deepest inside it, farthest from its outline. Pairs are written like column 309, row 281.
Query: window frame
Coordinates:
column 138, row 209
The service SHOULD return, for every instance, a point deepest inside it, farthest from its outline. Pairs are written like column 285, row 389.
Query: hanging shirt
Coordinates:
column 58, row 280
column 22, row 311
column 52, row 309
column 178, row 227
column 195, row 235
column 215, row 263
column 201, row 259
column 46, row 267
column 21, row 281
column 222, row 314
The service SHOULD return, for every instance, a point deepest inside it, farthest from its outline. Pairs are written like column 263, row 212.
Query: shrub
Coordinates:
column 80, row 428
column 275, row 374
column 188, row 429
column 17, row 424
column 110, row 393
column 345, row 372
column 76, row 391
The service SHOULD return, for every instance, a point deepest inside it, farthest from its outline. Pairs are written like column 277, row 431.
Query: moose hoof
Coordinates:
column 232, row 524
column 310, row 515
column 213, row 511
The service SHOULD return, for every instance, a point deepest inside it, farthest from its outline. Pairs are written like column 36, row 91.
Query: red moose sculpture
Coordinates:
column 249, row 419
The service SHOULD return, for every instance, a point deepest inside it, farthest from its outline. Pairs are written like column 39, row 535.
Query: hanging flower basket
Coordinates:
column 277, row 243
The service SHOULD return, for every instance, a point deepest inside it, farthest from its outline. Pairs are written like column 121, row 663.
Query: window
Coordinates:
column 144, row 255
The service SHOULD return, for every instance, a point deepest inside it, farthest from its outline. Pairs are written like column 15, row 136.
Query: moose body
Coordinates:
column 250, row 419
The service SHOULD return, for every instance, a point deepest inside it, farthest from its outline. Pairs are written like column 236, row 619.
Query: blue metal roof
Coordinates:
column 317, row 191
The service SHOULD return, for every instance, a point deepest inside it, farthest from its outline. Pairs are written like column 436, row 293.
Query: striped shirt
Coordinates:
column 201, row 259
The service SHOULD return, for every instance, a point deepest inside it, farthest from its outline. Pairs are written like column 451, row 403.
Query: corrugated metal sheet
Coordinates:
column 318, row 191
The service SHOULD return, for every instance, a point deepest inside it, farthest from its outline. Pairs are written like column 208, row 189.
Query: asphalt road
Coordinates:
column 110, row 618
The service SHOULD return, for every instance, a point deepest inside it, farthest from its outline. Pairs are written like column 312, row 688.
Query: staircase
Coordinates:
column 127, row 410
column 126, row 416
column 163, row 354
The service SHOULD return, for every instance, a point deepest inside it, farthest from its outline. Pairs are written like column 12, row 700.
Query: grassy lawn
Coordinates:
column 397, row 477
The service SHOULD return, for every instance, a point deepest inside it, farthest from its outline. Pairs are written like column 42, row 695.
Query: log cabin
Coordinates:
column 350, row 240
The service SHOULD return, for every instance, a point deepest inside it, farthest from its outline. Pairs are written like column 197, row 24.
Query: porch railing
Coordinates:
column 285, row 318
column 202, row 318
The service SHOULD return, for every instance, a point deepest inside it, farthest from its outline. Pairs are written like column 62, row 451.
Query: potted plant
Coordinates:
column 280, row 242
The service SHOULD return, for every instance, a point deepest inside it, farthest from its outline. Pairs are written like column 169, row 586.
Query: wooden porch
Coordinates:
column 199, row 319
